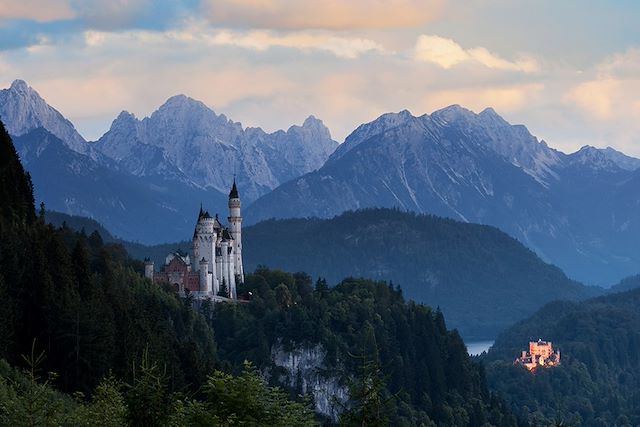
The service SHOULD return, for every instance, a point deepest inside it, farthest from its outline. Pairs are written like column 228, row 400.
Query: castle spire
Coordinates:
column 233, row 194
column 201, row 211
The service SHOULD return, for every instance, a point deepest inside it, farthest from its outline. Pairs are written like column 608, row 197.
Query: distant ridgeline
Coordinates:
column 482, row 279
column 141, row 355
column 596, row 383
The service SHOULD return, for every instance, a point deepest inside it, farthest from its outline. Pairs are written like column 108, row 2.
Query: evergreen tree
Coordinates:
column 224, row 290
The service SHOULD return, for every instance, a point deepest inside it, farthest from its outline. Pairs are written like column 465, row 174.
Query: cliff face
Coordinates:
column 303, row 368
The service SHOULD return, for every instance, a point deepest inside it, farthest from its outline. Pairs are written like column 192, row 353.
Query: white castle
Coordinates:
column 216, row 254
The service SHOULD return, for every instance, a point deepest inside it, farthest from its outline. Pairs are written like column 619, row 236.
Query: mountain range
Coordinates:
column 579, row 211
column 151, row 174
column 482, row 279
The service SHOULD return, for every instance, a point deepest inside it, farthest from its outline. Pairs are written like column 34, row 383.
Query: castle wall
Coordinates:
column 216, row 256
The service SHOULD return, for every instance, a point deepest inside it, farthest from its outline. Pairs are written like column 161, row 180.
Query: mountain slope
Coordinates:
column 127, row 205
column 596, row 383
column 22, row 110
column 479, row 168
column 210, row 149
column 150, row 174
column 481, row 278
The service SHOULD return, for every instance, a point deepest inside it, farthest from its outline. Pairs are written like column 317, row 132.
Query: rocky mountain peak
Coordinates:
column 604, row 158
column 125, row 117
column 183, row 103
column 20, row 86
column 365, row 131
column 453, row 113
column 22, row 110
column 317, row 128
column 312, row 121
column 490, row 117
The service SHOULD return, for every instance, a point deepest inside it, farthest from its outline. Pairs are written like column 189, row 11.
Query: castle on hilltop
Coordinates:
column 215, row 266
column 540, row 355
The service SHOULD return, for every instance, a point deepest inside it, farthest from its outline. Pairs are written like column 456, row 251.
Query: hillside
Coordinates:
column 133, row 206
column 122, row 350
column 596, row 383
column 481, row 278
column 396, row 359
column 577, row 211
column 626, row 284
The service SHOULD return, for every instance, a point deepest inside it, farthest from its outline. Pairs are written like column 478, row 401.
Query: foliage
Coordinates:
column 597, row 381
column 368, row 404
column 26, row 400
column 243, row 400
column 83, row 303
column 425, row 374
column 131, row 352
column 482, row 279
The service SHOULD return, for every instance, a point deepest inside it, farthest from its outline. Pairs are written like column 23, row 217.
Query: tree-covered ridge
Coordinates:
column 482, row 279
column 597, row 381
column 84, row 303
column 626, row 284
column 427, row 375
column 126, row 351
column 79, row 318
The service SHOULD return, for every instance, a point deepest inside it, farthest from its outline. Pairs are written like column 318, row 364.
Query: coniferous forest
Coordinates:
column 84, row 337
column 597, row 381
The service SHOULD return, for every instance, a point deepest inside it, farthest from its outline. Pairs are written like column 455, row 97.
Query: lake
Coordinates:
column 477, row 347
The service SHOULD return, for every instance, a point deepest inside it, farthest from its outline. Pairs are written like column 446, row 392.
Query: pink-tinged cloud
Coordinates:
column 327, row 14
column 447, row 53
column 36, row 10
column 613, row 92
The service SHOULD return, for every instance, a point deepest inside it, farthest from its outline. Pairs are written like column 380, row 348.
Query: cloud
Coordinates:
column 36, row 10
column 343, row 47
column 612, row 91
column 327, row 14
column 112, row 14
column 447, row 53
column 504, row 98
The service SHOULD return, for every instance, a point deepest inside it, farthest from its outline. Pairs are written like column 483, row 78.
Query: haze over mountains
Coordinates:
column 482, row 279
column 579, row 211
column 150, row 174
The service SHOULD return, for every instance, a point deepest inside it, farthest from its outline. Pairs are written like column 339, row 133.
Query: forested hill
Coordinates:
column 77, row 317
column 626, row 284
column 481, row 278
column 597, row 381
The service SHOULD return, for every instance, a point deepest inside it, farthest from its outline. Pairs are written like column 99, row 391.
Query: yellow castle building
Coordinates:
column 540, row 355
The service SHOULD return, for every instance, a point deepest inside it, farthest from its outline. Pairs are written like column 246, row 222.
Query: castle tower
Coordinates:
column 235, row 228
column 204, row 240
column 148, row 269
column 205, row 281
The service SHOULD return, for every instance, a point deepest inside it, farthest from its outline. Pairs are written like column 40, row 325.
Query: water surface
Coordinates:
column 478, row 347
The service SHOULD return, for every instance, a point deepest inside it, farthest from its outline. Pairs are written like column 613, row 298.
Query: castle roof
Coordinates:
column 233, row 194
column 226, row 235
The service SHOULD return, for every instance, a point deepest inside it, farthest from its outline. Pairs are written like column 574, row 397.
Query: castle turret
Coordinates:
column 148, row 269
column 204, row 242
column 205, row 280
column 235, row 229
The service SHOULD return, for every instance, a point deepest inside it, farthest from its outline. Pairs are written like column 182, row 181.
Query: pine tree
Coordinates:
column 224, row 291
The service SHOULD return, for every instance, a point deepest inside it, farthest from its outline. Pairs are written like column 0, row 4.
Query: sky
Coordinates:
column 567, row 69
